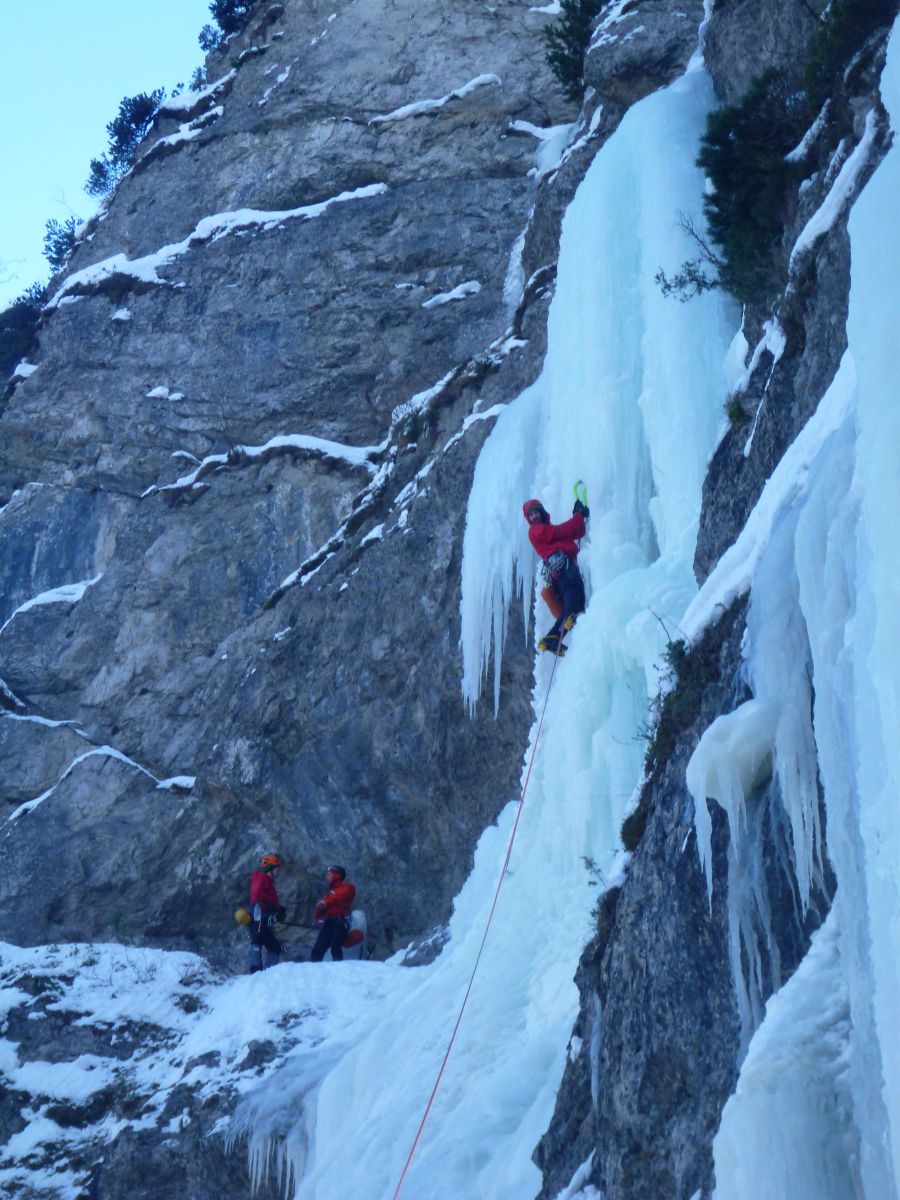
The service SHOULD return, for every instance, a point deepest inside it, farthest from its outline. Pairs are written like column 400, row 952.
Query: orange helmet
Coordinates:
column 268, row 862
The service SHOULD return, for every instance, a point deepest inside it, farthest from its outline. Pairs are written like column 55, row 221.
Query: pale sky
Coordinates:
column 64, row 67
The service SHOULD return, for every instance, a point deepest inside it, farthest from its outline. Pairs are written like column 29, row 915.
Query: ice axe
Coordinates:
column 579, row 490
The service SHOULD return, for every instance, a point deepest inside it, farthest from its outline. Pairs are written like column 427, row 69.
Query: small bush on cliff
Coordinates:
column 743, row 153
column 230, row 17
column 59, row 240
column 126, row 131
column 845, row 27
column 567, row 42
column 753, row 185
column 18, row 328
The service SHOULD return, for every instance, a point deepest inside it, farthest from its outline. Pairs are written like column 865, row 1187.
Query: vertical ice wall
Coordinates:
column 631, row 402
column 816, row 1113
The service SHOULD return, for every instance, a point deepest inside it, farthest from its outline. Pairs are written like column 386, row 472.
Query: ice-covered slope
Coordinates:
column 630, row 401
column 816, row 1114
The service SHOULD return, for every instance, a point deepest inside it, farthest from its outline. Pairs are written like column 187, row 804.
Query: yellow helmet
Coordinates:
column 242, row 916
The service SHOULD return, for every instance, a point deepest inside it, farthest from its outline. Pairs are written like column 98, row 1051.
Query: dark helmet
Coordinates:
column 336, row 871
column 531, row 504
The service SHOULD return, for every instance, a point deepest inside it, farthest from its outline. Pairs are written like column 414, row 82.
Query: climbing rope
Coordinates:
column 512, row 837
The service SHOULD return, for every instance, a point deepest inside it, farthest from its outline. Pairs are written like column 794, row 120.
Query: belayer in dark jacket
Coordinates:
column 563, row 590
column 333, row 914
column 265, row 910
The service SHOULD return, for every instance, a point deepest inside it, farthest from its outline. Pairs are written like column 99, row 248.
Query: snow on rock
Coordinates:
column 145, row 270
column 575, row 1189
column 352, row 456
column 195, row 1029
column 185, row 133
column 278, row 82
column 121, row 314
column 617, row 12
column 471, row 288
column 421, row 107
column 177, row 783
column 580, row 134
column 190, row 102
column 24, row 370
column 67, row 593
column 809, row 138
column 840, row 193
column 374, row 535
column 552, row 143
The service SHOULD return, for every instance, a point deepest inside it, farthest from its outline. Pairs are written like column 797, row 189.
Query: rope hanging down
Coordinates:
column 462, row 1009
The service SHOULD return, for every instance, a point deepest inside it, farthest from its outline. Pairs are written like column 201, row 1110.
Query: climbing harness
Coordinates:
column 512, row 837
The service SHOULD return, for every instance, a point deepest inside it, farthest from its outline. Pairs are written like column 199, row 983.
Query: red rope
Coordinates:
column 512, row 838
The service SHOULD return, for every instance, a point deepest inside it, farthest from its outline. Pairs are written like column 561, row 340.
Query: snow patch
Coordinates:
column 471, row 288
column 67, row 593
column 421, row 107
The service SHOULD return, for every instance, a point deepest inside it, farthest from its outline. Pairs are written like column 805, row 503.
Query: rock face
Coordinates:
column 325, row 236
column 232, row 498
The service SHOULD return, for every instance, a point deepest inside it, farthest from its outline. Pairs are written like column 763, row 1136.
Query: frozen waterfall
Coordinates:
column 816, row 1112
column 630, row 400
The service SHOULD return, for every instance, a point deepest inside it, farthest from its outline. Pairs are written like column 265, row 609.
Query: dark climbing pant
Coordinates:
column 262, row 937
column 331, row 937
column 570, row 586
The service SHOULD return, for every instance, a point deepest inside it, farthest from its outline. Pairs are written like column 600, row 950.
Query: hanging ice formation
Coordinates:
column 630, row 401
column 816, row 1113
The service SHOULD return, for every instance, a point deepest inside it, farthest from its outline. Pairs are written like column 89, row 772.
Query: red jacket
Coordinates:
column 547, row 539
column 336, row 903
column 262, row 891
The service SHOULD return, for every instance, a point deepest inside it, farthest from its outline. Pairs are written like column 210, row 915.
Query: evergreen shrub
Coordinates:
column 126, row 131
column 18, row 327
column 230, row 17
column 846, row 26
column 59, row 240
column 567, row 42
column 743, row 153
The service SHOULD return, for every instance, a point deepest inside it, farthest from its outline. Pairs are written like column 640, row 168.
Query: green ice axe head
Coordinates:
column 579, row 489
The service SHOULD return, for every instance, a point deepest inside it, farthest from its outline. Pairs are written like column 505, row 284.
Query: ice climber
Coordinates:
column 563, row 590
column 265, row 910
column 333, row 915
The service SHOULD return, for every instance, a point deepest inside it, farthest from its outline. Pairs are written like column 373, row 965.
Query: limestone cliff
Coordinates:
column 232, row 504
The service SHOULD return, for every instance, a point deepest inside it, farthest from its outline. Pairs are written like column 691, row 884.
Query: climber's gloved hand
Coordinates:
column 581, row 508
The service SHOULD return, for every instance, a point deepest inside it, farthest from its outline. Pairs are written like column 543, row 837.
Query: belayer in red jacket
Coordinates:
column 265, row 910
column 333, row 914
column 557, row 545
